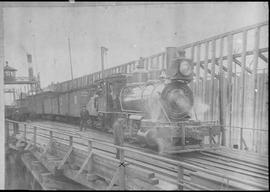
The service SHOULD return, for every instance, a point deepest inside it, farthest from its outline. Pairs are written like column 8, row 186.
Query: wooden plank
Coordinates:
column 114, row 179
column 208, row 180
column 265, row 59
column 84, row 164
column 131, row 169
column 229, row 109
column 240, row 157
column 206, row 98
column 90, row 162
column 197, row 69
column 30, row 143
column 180, row 176
column 69, row 173
column 258, row 108
column 262, row 112
column 221, row 95
column 235, row 165
column 254, row 178
column 254, row 73
column 228, row 159
column 249, row 154
column 205, row 73
column 244, row 154
column 137, row 184
column 193, row 62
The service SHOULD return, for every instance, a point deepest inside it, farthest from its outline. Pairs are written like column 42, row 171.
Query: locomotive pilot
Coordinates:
column 84, row 118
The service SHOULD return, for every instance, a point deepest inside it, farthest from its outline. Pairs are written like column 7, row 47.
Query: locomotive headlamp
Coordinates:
column 185, row 68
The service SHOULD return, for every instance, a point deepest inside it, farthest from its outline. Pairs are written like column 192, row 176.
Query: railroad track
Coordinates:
column 246, row 166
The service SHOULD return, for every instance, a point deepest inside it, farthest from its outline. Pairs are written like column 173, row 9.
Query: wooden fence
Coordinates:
column 231, row 82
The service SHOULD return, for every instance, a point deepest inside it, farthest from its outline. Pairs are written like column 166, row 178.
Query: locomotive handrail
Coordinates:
column 171, row 161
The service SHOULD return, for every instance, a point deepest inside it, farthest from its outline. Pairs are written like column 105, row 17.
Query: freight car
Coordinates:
column 155, row 111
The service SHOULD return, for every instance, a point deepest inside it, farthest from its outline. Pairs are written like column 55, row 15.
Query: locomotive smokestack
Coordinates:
column 30, row 67
column 172, row 54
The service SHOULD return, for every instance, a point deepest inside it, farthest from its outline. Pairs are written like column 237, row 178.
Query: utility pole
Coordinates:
column 70, row 60
column 103, row 51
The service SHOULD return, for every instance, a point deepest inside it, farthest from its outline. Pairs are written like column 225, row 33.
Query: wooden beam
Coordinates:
column 221, row 95
column 262, row 111
column 122, row 170
column 205, row 73
column 259, row 109
column 240, row 64
column 90, row 162
column 30, row 143
column 254, row 75
column 180, row 177
column 242, row 77
column 229, row 79
column 265, row 59
column 65, row 158
column 212, row 88
column 235, row 56
column 114, row 179
column 84, row 164
column 197, row 70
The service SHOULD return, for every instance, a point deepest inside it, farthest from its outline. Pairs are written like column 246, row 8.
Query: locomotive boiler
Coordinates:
column 161, row 101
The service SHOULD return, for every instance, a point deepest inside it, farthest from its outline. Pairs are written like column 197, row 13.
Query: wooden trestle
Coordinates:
column 91, row 164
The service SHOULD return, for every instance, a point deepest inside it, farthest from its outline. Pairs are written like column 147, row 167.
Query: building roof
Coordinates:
column 8, row 68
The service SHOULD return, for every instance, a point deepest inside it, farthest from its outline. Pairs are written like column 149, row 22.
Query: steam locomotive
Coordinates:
column 155, row 108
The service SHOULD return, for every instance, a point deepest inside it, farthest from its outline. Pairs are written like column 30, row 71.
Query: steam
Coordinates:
column 160, row 137
column 178, row 97
column 200, row 107
column 163, row 145
column 154, row 108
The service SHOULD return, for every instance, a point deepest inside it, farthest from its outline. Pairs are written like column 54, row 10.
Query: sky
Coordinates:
column 128, row 32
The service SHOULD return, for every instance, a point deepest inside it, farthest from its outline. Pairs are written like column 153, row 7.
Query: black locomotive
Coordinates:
column 155, row 105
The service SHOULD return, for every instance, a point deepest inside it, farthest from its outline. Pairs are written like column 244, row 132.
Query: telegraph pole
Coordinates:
column 70, row 60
